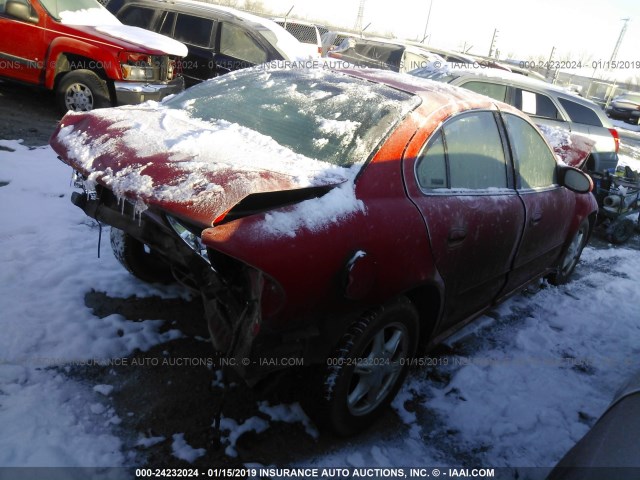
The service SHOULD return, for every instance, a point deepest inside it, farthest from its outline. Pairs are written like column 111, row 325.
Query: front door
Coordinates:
column 22, row 48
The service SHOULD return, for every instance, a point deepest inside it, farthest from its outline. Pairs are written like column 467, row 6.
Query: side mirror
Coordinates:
column 21, row 11
column 575, row 180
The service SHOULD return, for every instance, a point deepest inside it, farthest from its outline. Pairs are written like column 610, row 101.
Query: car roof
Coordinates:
column 520, row 80
column 285, row 40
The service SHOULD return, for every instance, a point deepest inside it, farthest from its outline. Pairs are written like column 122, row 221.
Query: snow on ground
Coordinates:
column 518, row 387
column 48, row 253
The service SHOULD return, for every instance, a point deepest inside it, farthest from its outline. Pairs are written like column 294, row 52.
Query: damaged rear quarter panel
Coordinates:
column 310, row 264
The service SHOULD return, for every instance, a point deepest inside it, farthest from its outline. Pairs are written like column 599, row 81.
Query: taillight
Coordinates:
column 616, row 138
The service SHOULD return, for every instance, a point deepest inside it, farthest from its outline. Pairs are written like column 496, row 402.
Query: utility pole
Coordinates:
column 424, row 36
column 550, row 62
column 493, row 42
column 614, row 55
column 360, row 19
column 287, row 16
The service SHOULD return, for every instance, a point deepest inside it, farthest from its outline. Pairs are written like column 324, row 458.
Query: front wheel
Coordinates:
column 571, row 256
column 82, row 91
column 368, row 368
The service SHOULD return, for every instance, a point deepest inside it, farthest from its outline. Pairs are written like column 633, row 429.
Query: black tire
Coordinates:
column 82, row 91
column 368, row 368
column 620, row 231
column 133, row 256
column 571, row 255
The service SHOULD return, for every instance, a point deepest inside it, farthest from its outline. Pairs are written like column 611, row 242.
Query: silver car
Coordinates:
column 546, row 104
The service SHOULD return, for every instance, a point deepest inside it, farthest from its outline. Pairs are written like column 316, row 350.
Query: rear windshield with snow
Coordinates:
column 320, row 114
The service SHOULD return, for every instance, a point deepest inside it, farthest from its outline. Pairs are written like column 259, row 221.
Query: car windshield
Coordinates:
column 321, row 114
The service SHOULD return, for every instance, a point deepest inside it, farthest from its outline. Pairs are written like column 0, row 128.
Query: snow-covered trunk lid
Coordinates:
column 196, row 170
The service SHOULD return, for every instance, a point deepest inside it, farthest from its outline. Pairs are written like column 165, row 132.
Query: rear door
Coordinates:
column 462, row 184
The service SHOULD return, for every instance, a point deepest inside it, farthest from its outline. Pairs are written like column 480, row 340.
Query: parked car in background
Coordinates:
column 383, row 54
column 220, row 39
column 546, row 104
column 85, row 55
column 310, row 209
column 625, row 107
column 307, row 33
column 456, row 58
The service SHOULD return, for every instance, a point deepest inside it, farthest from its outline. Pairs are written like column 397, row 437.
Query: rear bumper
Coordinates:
column 130, row 93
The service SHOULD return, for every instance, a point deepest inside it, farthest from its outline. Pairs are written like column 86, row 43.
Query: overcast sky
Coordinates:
column 526, row 29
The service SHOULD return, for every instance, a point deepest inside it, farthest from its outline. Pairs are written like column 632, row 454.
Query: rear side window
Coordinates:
column 493, row 90
column 535, row 162
column 536, row 104
column 580, row 114
column 137, row 17
column 467, row 153
column 237, row 43
column 193, row 30
column 432, row 166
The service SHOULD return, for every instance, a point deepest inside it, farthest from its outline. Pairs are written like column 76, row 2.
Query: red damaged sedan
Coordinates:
column 340, row 217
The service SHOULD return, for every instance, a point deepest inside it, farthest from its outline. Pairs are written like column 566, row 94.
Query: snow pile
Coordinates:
column 316, row 214
column 48, row 251
column 90, row 17
column 182, row 450
column 236, row 430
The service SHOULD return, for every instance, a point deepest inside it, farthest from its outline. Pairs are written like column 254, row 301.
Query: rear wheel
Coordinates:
column 571, row 256
column 82, row 91
column 139, row 259
column 368, row 368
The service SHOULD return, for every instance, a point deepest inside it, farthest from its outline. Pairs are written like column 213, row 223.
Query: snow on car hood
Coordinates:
column 572, row 148
column 195, row 169
column 145, row 38
column 106, row 23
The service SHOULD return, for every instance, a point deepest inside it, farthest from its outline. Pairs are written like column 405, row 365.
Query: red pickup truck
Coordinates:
column 85, row 55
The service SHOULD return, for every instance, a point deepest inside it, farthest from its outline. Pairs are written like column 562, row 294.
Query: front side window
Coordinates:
column 470, row 148
column 535, row 162
column 193, row 30
column 536, row 104
column 237, row 43
column 493, row 90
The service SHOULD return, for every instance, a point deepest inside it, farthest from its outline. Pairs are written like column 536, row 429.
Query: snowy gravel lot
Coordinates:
column 94, row 369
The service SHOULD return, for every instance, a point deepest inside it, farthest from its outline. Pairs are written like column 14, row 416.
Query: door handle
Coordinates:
column 456, row 236
column 536, row 218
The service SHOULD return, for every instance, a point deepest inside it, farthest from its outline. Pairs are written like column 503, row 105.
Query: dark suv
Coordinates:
column 219, row 39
